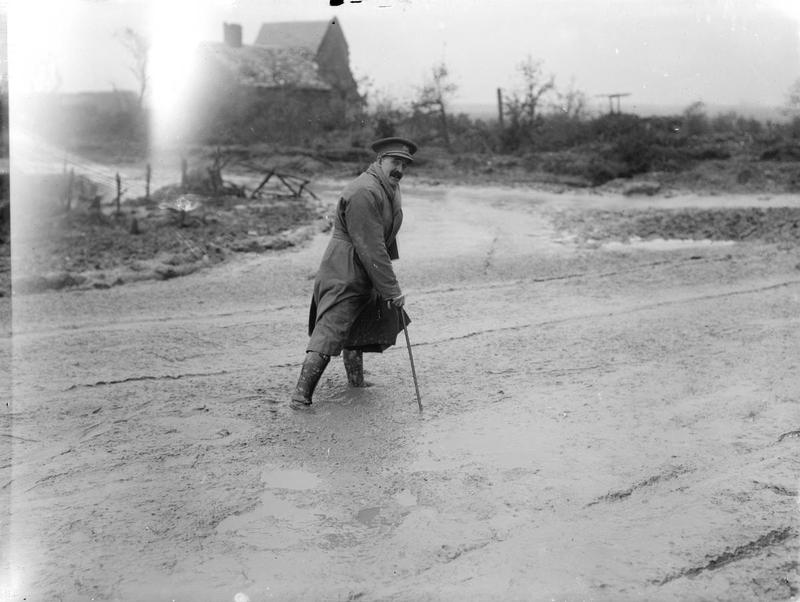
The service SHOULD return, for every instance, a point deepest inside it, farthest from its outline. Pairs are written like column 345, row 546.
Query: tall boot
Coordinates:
column 354, row 366
column 313, row 367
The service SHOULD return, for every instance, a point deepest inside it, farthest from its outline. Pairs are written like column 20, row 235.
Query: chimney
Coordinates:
column 232, row 34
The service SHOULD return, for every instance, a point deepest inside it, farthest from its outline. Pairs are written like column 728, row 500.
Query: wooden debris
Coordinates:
column 295, row 184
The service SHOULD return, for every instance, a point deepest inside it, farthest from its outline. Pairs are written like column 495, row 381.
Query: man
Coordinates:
column 356, row 290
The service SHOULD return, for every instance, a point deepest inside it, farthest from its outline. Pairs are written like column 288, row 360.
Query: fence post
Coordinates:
column 500, row 107
column 70, row 184
column 119, row 193
column 148, row 175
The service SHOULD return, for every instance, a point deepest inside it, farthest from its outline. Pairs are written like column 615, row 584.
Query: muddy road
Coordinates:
column 601, row 422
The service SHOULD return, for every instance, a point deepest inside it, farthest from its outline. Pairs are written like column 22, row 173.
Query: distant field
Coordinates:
column 478, row 110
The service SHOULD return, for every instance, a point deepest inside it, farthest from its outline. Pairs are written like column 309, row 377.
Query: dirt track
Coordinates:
column 605, row 422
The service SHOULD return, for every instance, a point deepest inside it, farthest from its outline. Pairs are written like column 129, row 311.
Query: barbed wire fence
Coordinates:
column 33, row 155
column 111, row 185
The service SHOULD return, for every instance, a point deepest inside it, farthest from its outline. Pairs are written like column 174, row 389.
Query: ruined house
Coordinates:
column 293, row 83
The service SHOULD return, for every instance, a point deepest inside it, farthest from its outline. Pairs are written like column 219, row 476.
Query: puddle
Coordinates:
column 273, row 508
column 405, row 498
column 296, row 480
column 270, row 509
column 367, row 515
column 665, row 244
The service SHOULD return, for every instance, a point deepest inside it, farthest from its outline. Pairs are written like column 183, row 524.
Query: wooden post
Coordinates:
column 500, row 107
column 148, row 175
column 286, row 183
column 70, row 184
column 119, row 193
column 260, row 186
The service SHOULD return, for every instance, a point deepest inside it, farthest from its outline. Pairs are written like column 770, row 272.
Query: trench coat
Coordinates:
column 356, row 277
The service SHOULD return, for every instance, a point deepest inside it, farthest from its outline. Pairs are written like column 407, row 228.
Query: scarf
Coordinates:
column 393, row 193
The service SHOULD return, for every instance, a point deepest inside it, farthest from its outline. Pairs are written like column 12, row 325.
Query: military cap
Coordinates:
column 395, row 147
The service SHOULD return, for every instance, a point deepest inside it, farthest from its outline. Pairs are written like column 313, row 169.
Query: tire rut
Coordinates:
column 747, row 550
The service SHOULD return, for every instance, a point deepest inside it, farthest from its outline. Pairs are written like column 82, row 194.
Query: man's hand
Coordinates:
column 398, row 301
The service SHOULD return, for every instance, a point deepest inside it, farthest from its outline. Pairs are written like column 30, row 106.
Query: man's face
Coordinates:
column 394, row 168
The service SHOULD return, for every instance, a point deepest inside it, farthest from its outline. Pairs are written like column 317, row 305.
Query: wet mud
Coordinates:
column 604, row 422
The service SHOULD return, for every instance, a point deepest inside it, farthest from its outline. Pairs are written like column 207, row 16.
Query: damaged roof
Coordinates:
column 266, row 67
column 294, row 34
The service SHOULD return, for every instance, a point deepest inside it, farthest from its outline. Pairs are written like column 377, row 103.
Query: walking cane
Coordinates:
column 410, row 357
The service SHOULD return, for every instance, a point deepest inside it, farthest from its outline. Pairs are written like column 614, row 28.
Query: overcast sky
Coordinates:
column 660, row 51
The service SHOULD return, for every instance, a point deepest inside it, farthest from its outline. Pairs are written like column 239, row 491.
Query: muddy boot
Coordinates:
column 354, row 366
column 313, row 367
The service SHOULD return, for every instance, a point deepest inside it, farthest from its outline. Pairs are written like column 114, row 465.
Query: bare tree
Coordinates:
column 138, row 47
column 793, row 99
column 522, row 105
column 387, row 114
column 536, row 86
column 514, row 108
column 434, row 98
column 695, row 120
column 572, row 102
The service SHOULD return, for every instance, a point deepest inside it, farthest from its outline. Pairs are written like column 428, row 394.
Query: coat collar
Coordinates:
column 375, row 170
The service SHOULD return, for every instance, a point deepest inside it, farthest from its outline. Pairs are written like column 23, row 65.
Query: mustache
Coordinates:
column 396, row 174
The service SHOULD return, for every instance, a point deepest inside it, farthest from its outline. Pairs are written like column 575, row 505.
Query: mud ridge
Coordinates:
column 645, row 307
column 751, row 548
column 615, row 496
column 122, row 325
column 18, row 438
column 779, row 489
column 105, row 383
column 449, row 553
column 47, row 478
column 570, row 276
column 794, row 434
